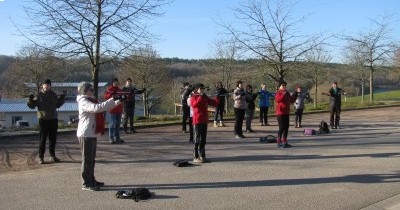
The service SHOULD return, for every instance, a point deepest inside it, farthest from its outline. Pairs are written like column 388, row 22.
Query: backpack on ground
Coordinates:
column 268, row 139
column 309, row 132
column 136, row 194
column 182, row 163
column 323, row 127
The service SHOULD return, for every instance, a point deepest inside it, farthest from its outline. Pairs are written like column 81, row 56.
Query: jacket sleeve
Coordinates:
column 108, row 94
column 279, row 97
column 60, row 101
column 213, row 102
column 32, row 103
column 88, row 106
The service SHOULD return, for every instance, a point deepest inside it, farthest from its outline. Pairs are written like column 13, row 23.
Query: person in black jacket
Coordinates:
column 186, row 90
column 335, row 94
column 251, row 106
column 129, row 105
column 221, row 94
column 47, row 103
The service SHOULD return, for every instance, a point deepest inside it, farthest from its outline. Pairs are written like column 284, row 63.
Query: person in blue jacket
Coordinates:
column 264, row 96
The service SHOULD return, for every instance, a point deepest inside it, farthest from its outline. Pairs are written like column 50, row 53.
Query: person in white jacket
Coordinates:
column 91, row 122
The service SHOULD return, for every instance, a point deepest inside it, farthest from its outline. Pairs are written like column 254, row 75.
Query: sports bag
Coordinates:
column 323, row 127
column 268, row 139
column 136, row 194
column 309, row 132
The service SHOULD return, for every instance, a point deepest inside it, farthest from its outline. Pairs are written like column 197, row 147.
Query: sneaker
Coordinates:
column 133, row 131
column 221, row 124
column 215, row 124
column 41, row 161
column 91, row 188
column 278, row 145
column 54, row 159
column 237, row 137
column 111, row 141
column 286, row 145
column 184, row 131
column 197, row 160
column 120, row 141
column 242, row 136
column 99, row 184
column 267, row 124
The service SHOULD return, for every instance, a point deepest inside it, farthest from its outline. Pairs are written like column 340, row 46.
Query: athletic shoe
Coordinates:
column 41, row 161
column 120, row 141
column 91, row 188
column 98, row 184
column 54, row 159
column 242, row 136
column 286, row 145
column 111, row 141
column 279, row 145
column 238, row 137
column 197, row 160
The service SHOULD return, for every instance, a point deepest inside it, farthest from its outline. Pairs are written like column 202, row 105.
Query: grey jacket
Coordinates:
column 239, row 97
column 299, row 103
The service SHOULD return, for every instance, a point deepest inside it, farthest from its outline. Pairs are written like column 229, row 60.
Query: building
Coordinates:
column 12, row 110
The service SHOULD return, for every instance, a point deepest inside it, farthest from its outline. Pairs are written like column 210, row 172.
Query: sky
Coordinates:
column 189, row 29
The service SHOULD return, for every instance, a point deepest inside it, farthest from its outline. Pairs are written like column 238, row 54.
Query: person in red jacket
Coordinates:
column 115, row 114
column 283, row 100
column 199, row 102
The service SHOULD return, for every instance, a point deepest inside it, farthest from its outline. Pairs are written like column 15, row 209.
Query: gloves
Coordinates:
column 31, row 96
column 242, row 94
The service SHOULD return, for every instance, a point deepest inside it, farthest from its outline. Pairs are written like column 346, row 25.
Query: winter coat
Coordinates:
column 264, row 98
column 299, row 103
column 47, row 104
column 283, row 100
column 336, row 97
column 129, row 103
column 250, row 98
column 199, row 104
column 221, row 93
column 109, row 94
column 87, row 114
column 239, row 97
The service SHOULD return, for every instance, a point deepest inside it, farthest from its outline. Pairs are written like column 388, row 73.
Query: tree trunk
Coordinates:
column 316, row 90
column 362, row 90
column 96, row 67
column 371, row 85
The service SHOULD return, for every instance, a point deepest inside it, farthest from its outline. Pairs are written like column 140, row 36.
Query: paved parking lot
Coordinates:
column 352, row 168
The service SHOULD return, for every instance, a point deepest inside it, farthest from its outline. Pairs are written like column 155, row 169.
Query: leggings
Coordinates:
column 283, row 121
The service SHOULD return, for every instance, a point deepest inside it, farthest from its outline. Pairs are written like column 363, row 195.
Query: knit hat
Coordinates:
column 282, row 83
column 47, row 81
column 197, row 86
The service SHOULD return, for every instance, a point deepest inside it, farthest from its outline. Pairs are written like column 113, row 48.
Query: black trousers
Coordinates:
column 219, row 111
column 190, row 129
column 264, row 115
column 47, row 128
column 200, row 135
column 299, row 116
column 239, row 117
column 335, row 116
column 88, row 151
column 185, row 116
column 128, row 116
column 283, row 122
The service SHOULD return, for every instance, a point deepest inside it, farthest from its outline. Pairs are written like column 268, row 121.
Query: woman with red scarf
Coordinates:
column 283, row 100
column 91, row 122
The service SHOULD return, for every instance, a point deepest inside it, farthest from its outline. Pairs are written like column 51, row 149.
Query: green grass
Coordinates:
column 380, row 99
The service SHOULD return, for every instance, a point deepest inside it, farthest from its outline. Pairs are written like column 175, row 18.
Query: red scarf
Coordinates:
column 100, row 120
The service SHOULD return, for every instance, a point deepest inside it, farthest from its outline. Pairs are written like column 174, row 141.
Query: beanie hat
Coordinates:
column 197, row 86
column 47, row 81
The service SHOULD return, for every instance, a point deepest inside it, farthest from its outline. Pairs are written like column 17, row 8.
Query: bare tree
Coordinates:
column 357, row 61
column 316, row 59
column 269, row 32
column 100, row 30
column 144, row 66
column 34, row 65
column 374, row 48
column 225, row 67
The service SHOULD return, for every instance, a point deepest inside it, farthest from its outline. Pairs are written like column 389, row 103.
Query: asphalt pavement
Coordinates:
column 355, row 167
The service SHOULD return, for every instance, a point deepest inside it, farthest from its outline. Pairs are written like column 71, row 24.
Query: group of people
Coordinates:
column 91, row 121
column 195, row 104
column 244, row 108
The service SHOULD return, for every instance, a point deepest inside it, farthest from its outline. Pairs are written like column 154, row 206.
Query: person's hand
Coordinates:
column 31, row 96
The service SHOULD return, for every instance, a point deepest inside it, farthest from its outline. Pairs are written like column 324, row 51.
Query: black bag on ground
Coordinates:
column 323, row 127
column 136, row 194
column 268, row 139
column 182, row 163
